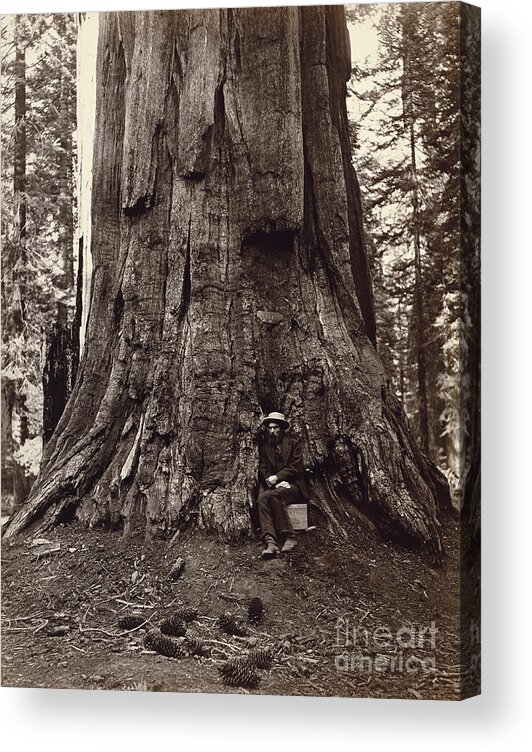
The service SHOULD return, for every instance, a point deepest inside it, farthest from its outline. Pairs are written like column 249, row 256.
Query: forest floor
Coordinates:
column 64, row 593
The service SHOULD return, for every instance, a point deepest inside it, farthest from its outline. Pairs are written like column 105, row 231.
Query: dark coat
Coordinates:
column 292, row 461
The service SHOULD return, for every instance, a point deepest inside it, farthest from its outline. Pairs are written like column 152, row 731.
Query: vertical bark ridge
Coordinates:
column 339, row 59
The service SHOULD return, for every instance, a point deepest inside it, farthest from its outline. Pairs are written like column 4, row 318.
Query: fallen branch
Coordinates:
column 208, row 589
column 256, row 631
column 80, row 650
column 47, row 552
column 168, row 605
column 226, row 644
column 25, row 618
column 304, row 640
column 140, row 626
column 137, row 583
column 232, row 597
column 129, row 603
column 18, row 629
column 124, row 633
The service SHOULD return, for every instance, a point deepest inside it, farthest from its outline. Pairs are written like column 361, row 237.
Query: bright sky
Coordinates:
column 364, row 40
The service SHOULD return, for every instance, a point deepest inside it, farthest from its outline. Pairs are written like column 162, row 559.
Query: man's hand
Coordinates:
column 271, row 481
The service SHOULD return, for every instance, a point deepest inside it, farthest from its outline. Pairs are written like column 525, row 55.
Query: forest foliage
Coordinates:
column 405, row 127
column 38, row 219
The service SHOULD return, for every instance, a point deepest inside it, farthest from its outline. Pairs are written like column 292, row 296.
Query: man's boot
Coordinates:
column 289, row 544
column 272, row 549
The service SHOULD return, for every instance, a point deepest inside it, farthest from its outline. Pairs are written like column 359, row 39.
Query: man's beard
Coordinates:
column 274, row 440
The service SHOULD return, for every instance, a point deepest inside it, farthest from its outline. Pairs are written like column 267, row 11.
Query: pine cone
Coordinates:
column 229, row 625
column 173, row 626
column 131, row 621
column 261, row 658
column 195, row 645
column 164, row 645
column 186, row 613
column 149, row 637
column 255, row 610
column 193, row 631
column 177, row 569
column 238, row 672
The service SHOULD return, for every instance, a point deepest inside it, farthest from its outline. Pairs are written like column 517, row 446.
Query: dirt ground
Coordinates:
column 64, row 592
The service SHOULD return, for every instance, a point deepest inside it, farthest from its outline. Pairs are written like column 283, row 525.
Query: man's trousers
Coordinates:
column 273, row 515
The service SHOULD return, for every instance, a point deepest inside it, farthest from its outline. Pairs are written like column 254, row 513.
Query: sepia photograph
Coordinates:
column 241, row 350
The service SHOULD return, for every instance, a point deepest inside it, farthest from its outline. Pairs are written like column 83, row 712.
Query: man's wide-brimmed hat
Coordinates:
column 276, row 418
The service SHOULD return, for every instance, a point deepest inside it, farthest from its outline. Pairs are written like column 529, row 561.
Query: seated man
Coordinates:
column 281, row 477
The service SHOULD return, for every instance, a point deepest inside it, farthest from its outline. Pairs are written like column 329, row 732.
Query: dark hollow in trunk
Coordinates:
column 223, row 193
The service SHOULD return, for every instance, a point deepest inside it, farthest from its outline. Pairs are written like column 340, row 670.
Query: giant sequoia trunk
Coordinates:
column 230, row 278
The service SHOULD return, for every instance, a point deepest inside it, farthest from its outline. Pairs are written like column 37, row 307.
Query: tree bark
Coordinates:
column 470, row 318
column 230, row 278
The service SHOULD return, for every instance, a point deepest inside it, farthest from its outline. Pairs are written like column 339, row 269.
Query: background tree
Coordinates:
column 406, row 125
column 38, row 89
column 230, row 278
column 16, row 397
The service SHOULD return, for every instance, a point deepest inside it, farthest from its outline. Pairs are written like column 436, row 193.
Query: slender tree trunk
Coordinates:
column 418, row 303
column 18, row 404
column 7, row 439
column 401, row 340
column 66, row 191
column 62, row 342
column 19, row 177
column 230, row 278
